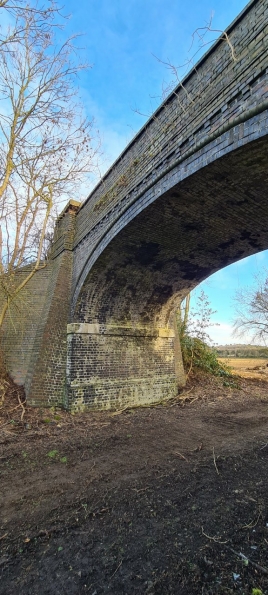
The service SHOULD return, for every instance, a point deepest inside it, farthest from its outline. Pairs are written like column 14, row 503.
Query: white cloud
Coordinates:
column 222, row 334
column 113, row 143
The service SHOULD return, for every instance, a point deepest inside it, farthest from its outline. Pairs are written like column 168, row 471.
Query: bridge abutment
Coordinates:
column 113, row 366
column 46, row 377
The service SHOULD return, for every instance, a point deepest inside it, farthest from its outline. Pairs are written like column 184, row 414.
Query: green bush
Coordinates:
column 192, row 328
column 197, row 354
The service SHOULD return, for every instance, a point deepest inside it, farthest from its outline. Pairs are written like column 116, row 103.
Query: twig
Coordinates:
column 7, row 423
column 195, row 399
column 264, row 446
column 216, row 539
column 23, row 408
column 214, row 460
column 252, row 524
column 141, row 490
column 7, row 432
column 198, row 448
column 3, row 536
column 120, row 411
column 243, row 557
column 181, row 456
column 184, row 394
column 14, row 408
column 116, row 569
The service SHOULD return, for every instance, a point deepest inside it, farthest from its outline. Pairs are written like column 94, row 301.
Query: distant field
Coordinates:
column 247, row 367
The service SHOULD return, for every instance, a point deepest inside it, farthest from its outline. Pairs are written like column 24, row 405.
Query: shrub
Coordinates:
column 197, row 354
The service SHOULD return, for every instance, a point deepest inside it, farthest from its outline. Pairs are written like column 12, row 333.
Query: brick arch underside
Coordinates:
column 122, row 349
column 210, row 220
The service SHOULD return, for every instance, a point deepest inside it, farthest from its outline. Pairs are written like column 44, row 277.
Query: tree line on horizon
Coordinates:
column 242, row 351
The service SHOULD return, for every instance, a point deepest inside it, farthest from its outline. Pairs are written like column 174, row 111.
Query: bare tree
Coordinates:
column 196, row 344
column 195, row 322
column 46, row 145
column 252, row 310
column 44, row 19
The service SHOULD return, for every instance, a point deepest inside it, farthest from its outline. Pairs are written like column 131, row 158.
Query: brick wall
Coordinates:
column 112, row 367
column 34, row 335
column 46, row 378
column 22, row 322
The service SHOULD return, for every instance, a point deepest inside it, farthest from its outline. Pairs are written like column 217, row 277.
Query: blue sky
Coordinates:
column 120, row 39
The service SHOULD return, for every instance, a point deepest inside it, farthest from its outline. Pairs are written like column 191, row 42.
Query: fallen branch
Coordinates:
column 22, row 406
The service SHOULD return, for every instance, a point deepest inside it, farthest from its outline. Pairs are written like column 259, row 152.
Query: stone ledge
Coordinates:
column 85, row 328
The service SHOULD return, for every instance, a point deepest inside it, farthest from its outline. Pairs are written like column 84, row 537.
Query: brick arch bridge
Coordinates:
column 186, row 197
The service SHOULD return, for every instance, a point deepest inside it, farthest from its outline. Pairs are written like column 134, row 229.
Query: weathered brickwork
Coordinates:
column 21, row 324
column 186, row 197
column 239, row 136
column 217, row 92
column 45, row 382
column 106, row 365
column 140, row 277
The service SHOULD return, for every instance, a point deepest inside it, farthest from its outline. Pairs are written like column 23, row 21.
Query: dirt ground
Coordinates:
column 162, row 500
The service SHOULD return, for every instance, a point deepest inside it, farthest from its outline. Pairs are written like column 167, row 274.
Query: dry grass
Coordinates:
column 247, row 367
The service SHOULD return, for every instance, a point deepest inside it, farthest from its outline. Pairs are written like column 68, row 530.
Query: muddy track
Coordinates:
column 152, row 500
